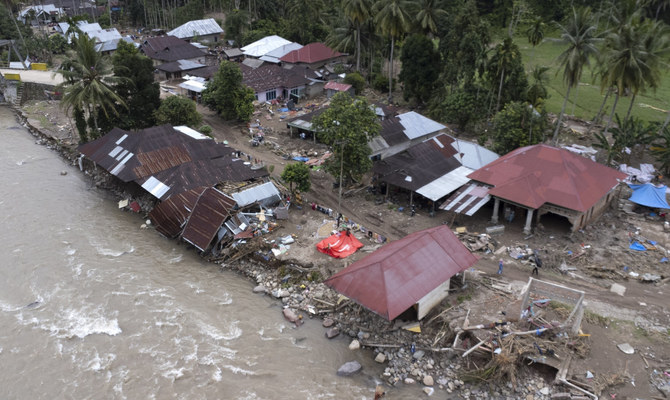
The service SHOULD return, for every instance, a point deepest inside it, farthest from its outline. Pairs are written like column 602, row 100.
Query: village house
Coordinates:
column 314, row 56
column 176, row 69
column 272, row 82
column 540, row 181
column 40, row 14
column 164, row 49
column 275, row 55
column 201, row 30
column 400, row 132
column 407, row 277
column 432, row 169
column 264, row 46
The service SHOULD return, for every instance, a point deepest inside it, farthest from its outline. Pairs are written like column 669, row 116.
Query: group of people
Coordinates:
column 537, row 264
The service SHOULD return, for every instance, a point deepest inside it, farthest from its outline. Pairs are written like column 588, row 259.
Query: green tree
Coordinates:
column 57, row 44
column 88, row 82
column 356, row 80
column 535, row 32
column 537, row 91
column 580, row 35
column 420, row 67
column 137, row 88
column 236, row 25
column 297, row 174
column 393, row 21
column 461, row 107
column 661, row 150
column 506, row 55
column 518, row 125
column 347, row 126
column 427, row 14
column 177, row 111
column 358, row 11
column 228, row 95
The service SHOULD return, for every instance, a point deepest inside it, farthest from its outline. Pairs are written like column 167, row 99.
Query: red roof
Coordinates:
column 534, row 175
column 340, row 87
column 312, row 53
column 399, row 274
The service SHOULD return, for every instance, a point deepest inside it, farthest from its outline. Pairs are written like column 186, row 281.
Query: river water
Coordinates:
column 92, row 307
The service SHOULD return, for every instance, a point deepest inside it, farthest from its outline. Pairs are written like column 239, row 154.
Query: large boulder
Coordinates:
column 349, row 368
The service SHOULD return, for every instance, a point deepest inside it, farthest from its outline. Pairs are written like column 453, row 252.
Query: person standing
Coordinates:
column 537, row 264
column 500, row 267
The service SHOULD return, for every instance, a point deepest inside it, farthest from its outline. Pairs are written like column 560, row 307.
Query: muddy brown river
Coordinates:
column 93, row 307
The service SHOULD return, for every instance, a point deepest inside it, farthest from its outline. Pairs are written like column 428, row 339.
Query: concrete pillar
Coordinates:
column 529, row 221
column 496, row 208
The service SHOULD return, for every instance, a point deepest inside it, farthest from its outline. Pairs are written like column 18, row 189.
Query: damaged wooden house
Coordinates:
column 200, row 183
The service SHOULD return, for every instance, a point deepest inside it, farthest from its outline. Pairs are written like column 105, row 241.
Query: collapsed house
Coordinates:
column 540, row 179
column 412, row 273
column 203, row 186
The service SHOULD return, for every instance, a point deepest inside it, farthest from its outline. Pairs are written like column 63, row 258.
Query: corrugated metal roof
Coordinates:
column 200, row 27
column 263, row 194
column 271, row 76
column 534, row 175
column 399, row 274
column 445, row 184
column 112, row 45
column 340, row 87
column 170, row 48
column 416, row 125
column 468, row 199
column 233, row 52
column 264, row 45
column 180, row 65
column 194, row 86
column 170, row 215
column 104, row 35
column 473, row 155
column 274, row 55
column 312, row 53
column 210, row 211
column 424, row 163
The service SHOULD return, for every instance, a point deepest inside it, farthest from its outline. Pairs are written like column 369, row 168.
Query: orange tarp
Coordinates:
column 340, row 245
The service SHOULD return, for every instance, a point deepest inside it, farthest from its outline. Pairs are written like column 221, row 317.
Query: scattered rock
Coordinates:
column 293, row 317
column 380, row 358
column 544, row 391
column 260, row 289
column 354, row 345
column 626, row 348
column 428, row 380
column 418, row 354
column 429, row 391
column 63, row 173
column 409, row 381
column 349, row 368
column 618, row 289
column 332, row 332
column 328, row 322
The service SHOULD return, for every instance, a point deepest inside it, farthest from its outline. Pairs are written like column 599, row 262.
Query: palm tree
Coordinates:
column 580, row 35
column 428, row 13
column 393, row 20
column 538, row 89
column 503, row 57
column 535, row 33
column 88, row 81
column 358, row 12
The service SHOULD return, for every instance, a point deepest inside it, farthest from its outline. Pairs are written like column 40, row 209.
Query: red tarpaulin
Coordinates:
column 340, row 245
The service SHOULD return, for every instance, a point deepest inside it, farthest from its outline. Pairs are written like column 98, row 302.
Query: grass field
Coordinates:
column 649, row 106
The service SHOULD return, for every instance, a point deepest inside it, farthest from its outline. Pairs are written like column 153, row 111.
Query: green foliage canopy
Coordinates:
column 420, row 67
column 176, row 111
column 297, row 174
column 348, row 125
column 518, row 125
column 227, row 95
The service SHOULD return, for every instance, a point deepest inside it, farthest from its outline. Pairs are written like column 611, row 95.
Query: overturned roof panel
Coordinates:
column 210, row 211
column 468, row 199
column 445, row 184
column 266, row 194
column 170, row 215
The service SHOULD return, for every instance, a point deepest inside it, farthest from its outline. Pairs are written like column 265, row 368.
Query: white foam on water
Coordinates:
column 98, row 363
column 71, row 252
column 216, row 375
column 173, row 373
column 103, row 251
column 79, row 323
column 233, row 331
column 195, row 287
column 238, row 370
column 176, row 259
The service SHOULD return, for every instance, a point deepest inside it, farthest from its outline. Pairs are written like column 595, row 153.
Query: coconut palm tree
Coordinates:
column 393, row 20
column 504, row 56
column 428, row 13
column 537, row 91
column 88, row 81
column 358, row 12
column 580, row 35
column 535, row 33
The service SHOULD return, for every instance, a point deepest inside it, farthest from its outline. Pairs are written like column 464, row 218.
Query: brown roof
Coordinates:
column 424, row 162
column 312, row 53
column 534, row 175
column 170, row 215
column 271, row 76
column 167, row 160
column 210, row 211
column 340, row 87
column 392, row 131
column 399, row 274
column 169, row 48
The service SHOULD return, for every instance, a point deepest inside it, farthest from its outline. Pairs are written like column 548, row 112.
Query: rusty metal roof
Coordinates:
column 534, row 175
column 165, row 160
column 423, row 163
column 170, row 215
column 209, row 213
column 399, row 274
column 169, row 48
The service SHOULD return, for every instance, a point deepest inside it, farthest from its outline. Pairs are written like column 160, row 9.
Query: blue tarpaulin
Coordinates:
column 637, row 246
column 649, row 195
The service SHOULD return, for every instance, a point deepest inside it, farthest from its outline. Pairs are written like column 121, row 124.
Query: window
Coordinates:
column 271, row 95
column 295, row 92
